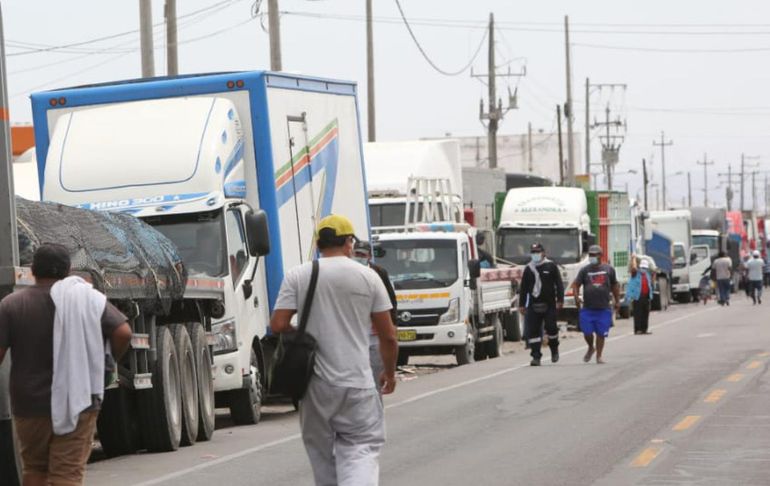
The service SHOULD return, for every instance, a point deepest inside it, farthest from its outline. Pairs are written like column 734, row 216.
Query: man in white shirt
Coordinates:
column 341, row 414
column 755, row 269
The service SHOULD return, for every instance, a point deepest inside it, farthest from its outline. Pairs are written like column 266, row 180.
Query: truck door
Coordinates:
column 307, row 206
column 700, row 262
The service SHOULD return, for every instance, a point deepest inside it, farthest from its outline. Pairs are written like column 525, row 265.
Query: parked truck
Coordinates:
column 558, row 218
column 226, row 166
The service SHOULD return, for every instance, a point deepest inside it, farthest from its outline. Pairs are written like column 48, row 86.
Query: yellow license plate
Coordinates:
column 407, row 335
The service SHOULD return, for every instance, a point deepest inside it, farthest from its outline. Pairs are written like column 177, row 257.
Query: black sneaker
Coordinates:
column 555, row 357
column 534, row 362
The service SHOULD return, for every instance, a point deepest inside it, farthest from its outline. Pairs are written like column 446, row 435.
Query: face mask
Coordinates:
column 536, row 257
column 593, row 260
column 362, row 261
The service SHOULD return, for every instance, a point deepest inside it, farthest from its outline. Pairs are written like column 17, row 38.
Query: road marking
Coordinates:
column 715, row 396
column 753, row 365
column 686, row 423
column 706, row 335
column 763, row 355
column 735, row 377
column 224, row 459
column 646, row 457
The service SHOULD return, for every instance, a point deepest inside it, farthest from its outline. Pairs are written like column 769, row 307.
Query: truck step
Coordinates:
column 484, row 339
column 142, row 381
column 487, row 329
column 140, row 341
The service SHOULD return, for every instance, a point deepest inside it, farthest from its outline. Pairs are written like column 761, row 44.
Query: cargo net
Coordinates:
column 123, row 256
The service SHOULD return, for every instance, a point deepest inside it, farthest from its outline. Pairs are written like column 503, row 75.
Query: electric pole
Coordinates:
column 145, row 38
column 561, row 152
column 689, row 191
column 729, row 193
column 663, row 144
column 274, row 26
column 588, row 126
column 610, row 145
column 495, row 111
column 370, row 73
column 705, row 165
column 172, row 55
column 744, row 158
column 568, row 110
column 645, row 181
column 529, row 145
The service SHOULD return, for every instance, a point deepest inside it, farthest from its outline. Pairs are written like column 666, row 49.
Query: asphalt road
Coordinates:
column 689, row 404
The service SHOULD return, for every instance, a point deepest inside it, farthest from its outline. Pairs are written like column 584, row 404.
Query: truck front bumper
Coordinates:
column 227, row 372
column 432, row 336
column 681, row 288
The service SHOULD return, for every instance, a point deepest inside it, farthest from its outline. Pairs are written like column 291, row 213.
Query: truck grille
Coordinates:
column 675, row 280
column 419, row 317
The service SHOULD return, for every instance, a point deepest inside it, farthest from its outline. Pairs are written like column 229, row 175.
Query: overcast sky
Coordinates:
column 712, row 102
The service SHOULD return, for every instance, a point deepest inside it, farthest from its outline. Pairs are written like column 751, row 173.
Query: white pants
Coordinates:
column 343, row 430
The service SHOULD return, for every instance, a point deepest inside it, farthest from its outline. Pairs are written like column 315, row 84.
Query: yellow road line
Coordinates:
column 735, row 377
column 686, row 423
column 753, row 365
column 715, row 396
column 646, row 457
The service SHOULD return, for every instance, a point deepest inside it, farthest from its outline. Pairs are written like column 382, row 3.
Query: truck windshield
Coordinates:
column 680, row 260
column 199, row 237
column 711, row 241
column 419, row 264
column 392, row 214
column 561, row 245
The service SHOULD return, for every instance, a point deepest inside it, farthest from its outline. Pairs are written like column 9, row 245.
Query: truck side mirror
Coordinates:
column 588, row 240
column 257, row 233
column 474, row 269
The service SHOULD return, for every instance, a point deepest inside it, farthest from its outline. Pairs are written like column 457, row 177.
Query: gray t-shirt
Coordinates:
column 723, row 267
column 597, row 282
column 346, row 296
column 755, row 267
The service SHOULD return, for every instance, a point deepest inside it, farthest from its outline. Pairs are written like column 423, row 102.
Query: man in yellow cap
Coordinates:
column 341, row 414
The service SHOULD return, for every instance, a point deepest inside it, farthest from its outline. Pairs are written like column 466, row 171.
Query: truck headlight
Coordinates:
column 224, row 337
column 452, row 314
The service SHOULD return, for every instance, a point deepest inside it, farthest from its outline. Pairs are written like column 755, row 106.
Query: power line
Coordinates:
column 671, row 50
column 425, row 55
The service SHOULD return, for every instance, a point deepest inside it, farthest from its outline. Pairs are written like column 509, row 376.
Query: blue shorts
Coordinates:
column 596, row 321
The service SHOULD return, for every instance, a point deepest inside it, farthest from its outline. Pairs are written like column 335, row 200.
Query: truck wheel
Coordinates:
column 466, row 354
column 511, row 326
column 161, row 406
column 246, row 403
column 188, row 383
column 117, row 424
column 205, row 379
column 403, row 358
column 495, row 346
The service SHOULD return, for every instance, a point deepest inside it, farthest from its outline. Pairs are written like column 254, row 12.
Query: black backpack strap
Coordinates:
column 308, row 298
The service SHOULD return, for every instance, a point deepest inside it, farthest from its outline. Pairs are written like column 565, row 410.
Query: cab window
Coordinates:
column 236, row 244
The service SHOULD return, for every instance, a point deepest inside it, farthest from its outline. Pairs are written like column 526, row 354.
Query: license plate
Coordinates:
column 407, row 335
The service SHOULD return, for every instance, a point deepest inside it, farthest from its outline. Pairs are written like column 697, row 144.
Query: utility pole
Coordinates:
column 645, row 181
column 274, row 26
column 754, row 191
column 588, row 126
column 610, row 145
column 370, row 73
column 705, row 165
column 529, row 145
column 145, row 38
column 568, row 110
column 495, row 111
column 729, row 193
column 744, row 158
column 663, row 144
column 172, row 55
column 561, row 152
column 689, row 191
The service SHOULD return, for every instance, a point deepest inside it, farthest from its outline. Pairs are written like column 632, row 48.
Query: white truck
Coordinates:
column 689, row 261
column 199, row 157
column 558, row 218
column 391, row 165
column 446, row 302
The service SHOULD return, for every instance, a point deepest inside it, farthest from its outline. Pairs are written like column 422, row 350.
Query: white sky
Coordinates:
column 719, row 101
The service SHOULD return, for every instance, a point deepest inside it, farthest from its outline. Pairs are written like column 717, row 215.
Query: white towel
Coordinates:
column 78, row 351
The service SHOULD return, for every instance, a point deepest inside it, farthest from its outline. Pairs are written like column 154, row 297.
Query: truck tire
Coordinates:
column 161, row 406
column 403, row 357
column 117, row 424
column 246, row 403
column 188, row 383
column 205, row 379
column 466, row 354
column 495, row 346
column 512, row 326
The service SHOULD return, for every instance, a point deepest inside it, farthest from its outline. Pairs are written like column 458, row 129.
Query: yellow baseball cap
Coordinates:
column 341, row 225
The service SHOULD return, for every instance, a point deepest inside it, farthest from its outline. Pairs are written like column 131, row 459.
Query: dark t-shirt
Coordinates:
column 26, row 328
column 597, row 282
column 383, row 274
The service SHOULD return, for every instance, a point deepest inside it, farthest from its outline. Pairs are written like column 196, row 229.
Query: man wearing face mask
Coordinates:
column 541, row 295
column 362, row 253
column 599, row 283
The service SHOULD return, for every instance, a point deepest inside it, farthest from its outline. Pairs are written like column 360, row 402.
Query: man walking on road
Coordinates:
column 363, row 255
column 341, row 414
column 541, row 295
column 56, row 330
column 723, row 271
column 639, row 293
column 755, row 269
column 599, row 283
